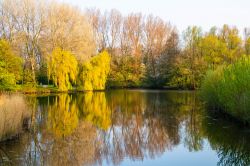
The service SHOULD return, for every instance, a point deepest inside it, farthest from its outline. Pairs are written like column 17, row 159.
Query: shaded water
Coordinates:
column 120, row 127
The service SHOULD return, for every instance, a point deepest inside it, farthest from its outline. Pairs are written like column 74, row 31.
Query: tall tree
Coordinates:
column 157, row 33
column 247, row 41
column 213, row 50
column 66, row 27
column 62, row 69
column 230, row 36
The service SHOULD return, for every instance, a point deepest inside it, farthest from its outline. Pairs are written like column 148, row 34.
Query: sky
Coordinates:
column 181, row 13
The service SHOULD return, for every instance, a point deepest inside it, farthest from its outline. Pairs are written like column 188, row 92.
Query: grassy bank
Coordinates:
column 31, row 89
column 38, row 89
column 227, row 89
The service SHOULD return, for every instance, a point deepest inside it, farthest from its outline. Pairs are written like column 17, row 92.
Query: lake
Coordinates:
column 117, row 127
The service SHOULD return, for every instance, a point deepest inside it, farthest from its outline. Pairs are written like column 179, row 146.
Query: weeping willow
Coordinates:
column 62, row 69
column 93, row 75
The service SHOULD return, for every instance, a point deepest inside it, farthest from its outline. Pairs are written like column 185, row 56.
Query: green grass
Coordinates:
column 29, row 88
column 228, row 89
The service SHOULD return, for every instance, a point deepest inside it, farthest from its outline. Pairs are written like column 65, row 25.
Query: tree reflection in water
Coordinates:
column 96, row 127
column 231, row 142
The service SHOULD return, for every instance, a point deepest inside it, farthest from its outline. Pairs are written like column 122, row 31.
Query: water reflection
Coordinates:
column 63, row 116
column 231, row 142
column 107, row 127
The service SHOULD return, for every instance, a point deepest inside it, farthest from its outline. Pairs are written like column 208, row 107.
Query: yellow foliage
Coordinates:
column 62, row 116
column 62, row 68
column 97, row 110
column 10, row 65
column 94, row 73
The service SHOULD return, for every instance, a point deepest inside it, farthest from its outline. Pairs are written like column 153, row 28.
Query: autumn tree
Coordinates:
column 165, row 67
column 157, row 33
column 94, row 73
column 230, row 36
column 62, row 69
column 213, row 49
column 66, row 27
column 29, row 17
column 190, row 66
column 10, row 66
column 247, row 41
column 34, row 29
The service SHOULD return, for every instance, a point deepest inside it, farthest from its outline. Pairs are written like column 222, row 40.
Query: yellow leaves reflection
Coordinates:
column 96, row 109
column 64, row 113
column 62, row 116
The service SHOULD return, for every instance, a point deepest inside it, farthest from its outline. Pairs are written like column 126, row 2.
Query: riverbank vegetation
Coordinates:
column 13, row 113
column 228, row 89
column 58, row 47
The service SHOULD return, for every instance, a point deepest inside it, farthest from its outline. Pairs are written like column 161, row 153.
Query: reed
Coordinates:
column 13, row 112
column 228, row 89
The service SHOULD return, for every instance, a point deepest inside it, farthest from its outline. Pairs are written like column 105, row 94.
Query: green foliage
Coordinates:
column 204, row 52
column 125, row 73
column 230, row 36
column 28, row 78
column 247, row 46
column 10, row 66
column 210, row 87
column 42, row 74
column 7, row 80
column 62, row 69
column 94, row 73
column 213, row 50
column 228, row 89
column 190, row 67
column 188, row 76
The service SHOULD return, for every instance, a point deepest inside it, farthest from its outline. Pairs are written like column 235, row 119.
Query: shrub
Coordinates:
column 228, row 89
column 10, row 66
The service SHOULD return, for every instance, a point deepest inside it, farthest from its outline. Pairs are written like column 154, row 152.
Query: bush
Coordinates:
column 10, row 67
column 228, row 89
column 210, row 88
column 7, row 80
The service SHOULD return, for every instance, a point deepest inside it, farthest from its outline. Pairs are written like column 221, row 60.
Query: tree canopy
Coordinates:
column 94, row 73
column 62, row 68
column 10, row 66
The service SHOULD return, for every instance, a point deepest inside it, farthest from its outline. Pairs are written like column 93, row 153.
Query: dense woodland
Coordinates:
column 55, row 44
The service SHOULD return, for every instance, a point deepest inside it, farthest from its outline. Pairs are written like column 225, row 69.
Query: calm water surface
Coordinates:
column 119, row 127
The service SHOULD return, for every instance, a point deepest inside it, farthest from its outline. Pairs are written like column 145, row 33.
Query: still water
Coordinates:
column 119, row 127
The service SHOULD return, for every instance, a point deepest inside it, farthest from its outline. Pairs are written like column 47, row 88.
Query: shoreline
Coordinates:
column 40, row 90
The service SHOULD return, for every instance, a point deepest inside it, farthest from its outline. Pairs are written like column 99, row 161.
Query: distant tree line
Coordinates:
column 54, row 43
column 147, row 51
